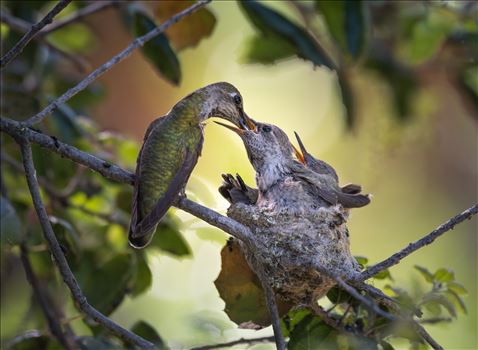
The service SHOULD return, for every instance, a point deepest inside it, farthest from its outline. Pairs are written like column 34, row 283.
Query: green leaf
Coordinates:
column 143, row 277
column 158, row 50
column 383, row 275
column 11, row 227
column 266, row 50
column 105, row 285
column 362, row 260
column 274, row 25
column 444, row 275
column 146, row 331
column 425, row 273
column 456, row 300
column 64, row 127
column 433, row 307
column 428, row 33
column 347, row 24
column 386, row 346
column 312, row 333
column 97, row 343
column 291, row 319
column 66, row 235
column 347, row 98
column 440, row 299
column 169, row 239
column 337, row 295
column 4, row 30
column 457, row 288
column 76, row 37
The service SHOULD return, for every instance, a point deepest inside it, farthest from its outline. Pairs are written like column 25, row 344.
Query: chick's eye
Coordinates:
column 237, row 100
column 266, row 128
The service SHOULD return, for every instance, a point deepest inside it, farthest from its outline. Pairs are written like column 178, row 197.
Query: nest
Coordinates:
column 286, row 243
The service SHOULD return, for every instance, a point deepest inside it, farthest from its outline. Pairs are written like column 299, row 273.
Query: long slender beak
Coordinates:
column 233, row 128
column 247, row 123
column 300, row 154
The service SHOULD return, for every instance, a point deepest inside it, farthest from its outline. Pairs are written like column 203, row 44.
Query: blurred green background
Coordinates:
column 421, row 169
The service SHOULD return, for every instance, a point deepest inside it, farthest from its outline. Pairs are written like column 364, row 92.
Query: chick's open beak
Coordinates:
column 233, row 128
column 299, row 155
column 247, row 123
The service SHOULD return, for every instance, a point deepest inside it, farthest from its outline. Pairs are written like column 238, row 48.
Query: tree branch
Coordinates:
column 272, row 307
column 96, row 6
column 235, row 342
column 52, row 319
column 138, row 42
column 20, row 45
column 21, row 26
column 61, row 261
column 412, row 247
column 110, row 171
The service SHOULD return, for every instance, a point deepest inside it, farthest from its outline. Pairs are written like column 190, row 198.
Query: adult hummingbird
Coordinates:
column 283, row 182
column 171, row 147
column 321, row 167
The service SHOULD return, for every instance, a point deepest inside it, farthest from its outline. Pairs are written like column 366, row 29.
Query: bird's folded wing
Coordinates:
column 136, row 199
column 352, row 189
column 317, row 182
column 164, row 203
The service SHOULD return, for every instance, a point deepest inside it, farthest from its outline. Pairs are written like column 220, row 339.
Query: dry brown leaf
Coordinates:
column 189, row 31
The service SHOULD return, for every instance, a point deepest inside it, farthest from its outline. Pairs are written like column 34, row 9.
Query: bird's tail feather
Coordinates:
column 140, row 240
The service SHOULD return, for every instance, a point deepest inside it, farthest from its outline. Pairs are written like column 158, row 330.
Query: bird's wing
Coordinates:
column 136, row 199
column 317, row 182
column 179, row 180
column 353, row 200
column 352, row 189
column 236, row 191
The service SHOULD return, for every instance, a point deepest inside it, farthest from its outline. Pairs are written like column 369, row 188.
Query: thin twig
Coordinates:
column 20, row 45
column 325, row 317
column 138, row 42
column 427, row 337
column 61, row 261
column 272, row 307
column 77, row 15
column 412, row 247
column 54, row 323
column 236, row 342
column 21, row 26
column 435, row 320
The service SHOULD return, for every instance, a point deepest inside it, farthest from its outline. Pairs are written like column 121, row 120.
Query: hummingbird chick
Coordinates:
column 321, row 167
column 171, row 147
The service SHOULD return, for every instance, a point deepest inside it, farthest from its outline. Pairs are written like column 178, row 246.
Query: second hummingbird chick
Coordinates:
column 321, row 167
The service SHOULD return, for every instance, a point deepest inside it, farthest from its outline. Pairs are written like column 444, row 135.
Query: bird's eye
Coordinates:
column 237, row 100
column 266, row 128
